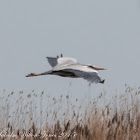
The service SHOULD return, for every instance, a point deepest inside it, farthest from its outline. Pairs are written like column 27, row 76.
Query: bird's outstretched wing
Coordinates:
column 91, row 77
column 61, row 61
column 52, row 61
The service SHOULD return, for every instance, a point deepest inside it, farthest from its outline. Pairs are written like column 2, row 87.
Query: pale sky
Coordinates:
column 104, row 33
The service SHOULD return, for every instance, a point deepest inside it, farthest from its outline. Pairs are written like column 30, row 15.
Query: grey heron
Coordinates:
column 68, row 67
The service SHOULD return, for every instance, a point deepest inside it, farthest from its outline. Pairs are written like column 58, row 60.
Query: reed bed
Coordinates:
column 37, row 116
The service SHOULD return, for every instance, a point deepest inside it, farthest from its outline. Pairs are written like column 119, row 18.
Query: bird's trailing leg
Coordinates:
column 98, row 68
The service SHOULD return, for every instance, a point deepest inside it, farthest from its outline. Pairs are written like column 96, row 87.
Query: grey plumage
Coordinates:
column 68, row 67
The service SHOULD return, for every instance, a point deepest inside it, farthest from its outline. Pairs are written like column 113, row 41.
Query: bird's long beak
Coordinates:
column 98, row 68
column 33, row 74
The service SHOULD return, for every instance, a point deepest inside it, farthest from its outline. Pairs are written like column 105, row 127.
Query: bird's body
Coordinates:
column 68, row 67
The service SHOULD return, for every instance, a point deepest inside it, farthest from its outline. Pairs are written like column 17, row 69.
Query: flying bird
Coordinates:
column 68, row 67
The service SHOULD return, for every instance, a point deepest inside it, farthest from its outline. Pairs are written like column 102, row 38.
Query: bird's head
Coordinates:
column 32, row 74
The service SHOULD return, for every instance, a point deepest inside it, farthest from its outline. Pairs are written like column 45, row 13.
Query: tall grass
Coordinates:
column 37, row 116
